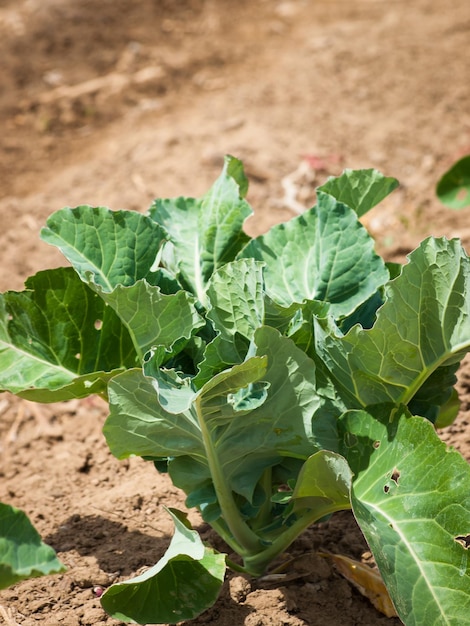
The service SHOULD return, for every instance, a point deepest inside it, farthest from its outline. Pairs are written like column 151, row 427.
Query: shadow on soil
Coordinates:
column 118, row 549
column 114, row 546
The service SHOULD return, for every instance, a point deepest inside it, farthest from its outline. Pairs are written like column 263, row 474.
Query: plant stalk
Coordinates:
column 248, row 540
column 257, row 564
column 264, row 514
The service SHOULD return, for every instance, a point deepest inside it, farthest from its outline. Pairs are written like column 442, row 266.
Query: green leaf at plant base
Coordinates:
column 293, row 421
column 323, row 484
column 359, row 189
column 107, row 248
column 58, row 340
column 324, row 254
column 423, row 325
column 22, row 553
column 184, row 583
column 453, row 189
column 204, row 233
column 411, row 498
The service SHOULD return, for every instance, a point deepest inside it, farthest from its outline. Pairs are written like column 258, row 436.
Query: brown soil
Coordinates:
column 118, row 102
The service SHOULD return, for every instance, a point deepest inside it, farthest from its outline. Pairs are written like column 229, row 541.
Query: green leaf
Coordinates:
column 220, row 354
column 236, row 298
column 107, row 248
column 139, row 425
column 361, row 190
column 184, row 583
column 154, row 318
column 206, row 233
column 217, row 398
column 22, row 553
column 323, row 484
column 453, row 189
column 422, row 330
column 436, row 399
column 324, row 254
column 290, row 419
column 293, row 421
column 58, row 340
column 236, row 309
column 235, row 170
column 411, row 498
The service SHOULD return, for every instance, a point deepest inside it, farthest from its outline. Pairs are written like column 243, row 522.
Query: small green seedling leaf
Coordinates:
column 22, row 553
column 411, row 498
column 453, row 189
column 184, row 583
column 361, row 190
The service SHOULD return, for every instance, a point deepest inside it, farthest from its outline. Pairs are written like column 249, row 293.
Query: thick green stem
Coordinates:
column 221, row 529
column 257, row 564
column 264, row 515
column 248, row 541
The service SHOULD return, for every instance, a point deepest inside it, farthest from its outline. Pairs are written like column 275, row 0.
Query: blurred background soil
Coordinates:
column 116, row 103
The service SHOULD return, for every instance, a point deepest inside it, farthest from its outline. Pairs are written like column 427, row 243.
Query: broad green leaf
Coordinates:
column 58, row 340
column 323, row 484
column 22, row 553
column 293, row 421
column 420, row 335
column 235, row 295
column 152, row 317
column 359, row 189
column 290, row 419
column 236, row 308
column 411, row 498
column 107, row 248
column 184, row 583
column 453, row 189
column 324, row 254
column 220, row 354
column 204, row 233
column 115, row 253
column 217, row 401
column 139, row 425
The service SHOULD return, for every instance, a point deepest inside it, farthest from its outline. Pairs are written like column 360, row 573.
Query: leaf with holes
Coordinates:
column 411, row 499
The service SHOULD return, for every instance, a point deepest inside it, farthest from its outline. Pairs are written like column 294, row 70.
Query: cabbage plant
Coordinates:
column 276, row 379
